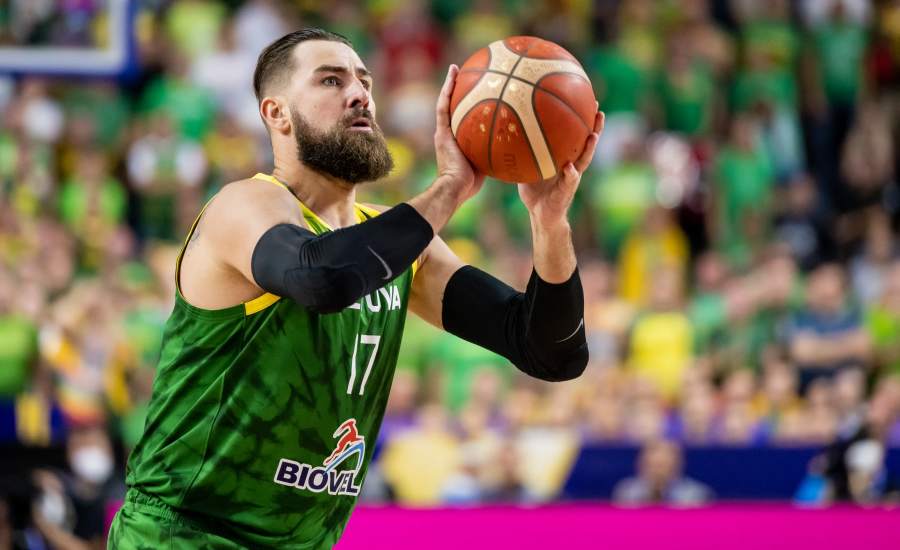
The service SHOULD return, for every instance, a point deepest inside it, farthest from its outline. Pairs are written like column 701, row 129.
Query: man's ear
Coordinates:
column 275, row 113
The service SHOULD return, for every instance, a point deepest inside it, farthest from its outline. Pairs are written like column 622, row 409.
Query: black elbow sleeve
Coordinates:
column 281, row 266
column 541, row 332
column 329, row 272
column 556, row 341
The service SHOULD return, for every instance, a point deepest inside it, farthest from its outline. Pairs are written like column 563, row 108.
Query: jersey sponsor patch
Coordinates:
column 328, row 477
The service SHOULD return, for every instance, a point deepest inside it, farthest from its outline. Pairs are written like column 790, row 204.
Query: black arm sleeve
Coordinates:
column 327, row 273
column 541, row 331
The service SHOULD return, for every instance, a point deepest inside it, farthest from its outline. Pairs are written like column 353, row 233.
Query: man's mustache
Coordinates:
column 361, row 113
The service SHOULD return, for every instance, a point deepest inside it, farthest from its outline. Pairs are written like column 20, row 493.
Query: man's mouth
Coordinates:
column 361, row 124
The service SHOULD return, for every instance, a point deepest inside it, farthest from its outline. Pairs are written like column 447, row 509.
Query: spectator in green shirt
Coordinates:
column 462, row 364
column 770, row 34
column 836, row 49
column 839, row 45
column 687, row 90
column 620, row 83
column 766, row 84
column 167, row 172
column 744, row 181
column 18, row 342
column 192, row 108
column 193, row 25
column 98, row 115
column 92, row 203
column 620, row 197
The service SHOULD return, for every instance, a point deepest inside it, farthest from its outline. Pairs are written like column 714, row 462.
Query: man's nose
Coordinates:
column 358, row 95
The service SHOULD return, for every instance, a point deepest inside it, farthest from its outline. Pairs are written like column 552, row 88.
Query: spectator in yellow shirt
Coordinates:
column 658, row 243
column 661, row 342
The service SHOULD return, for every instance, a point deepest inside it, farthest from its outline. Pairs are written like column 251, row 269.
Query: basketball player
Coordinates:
column 278, row 356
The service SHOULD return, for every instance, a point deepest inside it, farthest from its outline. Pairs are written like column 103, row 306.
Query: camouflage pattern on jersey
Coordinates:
column 264, row 415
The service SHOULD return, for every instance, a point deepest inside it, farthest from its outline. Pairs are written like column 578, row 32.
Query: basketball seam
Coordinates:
column 537, row 165
column 537, row 117
column 499, row 100
column 519, row 78
column 514, row 52
column 525, row 54
column 556, row 96
column 475, row 85
column 472, row 109
column 573, row 60
column 480, row 78
column 536, row 85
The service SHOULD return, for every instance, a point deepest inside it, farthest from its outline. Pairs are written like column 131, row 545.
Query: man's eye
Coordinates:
column 366, row 84
column 332, row 81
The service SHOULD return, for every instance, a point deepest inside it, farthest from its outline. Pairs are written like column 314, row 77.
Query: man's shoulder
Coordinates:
column 252, row 187
column 244, row 199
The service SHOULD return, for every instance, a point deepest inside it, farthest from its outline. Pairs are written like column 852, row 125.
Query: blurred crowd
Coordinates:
column 737, row 232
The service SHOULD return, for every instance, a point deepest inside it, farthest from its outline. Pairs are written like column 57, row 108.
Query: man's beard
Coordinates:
column 348, row 155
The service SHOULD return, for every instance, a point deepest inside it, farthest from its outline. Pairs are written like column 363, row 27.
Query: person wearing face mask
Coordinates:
column 71, row 511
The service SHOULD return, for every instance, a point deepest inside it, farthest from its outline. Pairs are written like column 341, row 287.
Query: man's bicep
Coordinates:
column 241, row 217
column 438, row 264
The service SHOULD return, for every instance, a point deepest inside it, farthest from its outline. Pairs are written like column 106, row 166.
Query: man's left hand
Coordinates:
column 548, row 201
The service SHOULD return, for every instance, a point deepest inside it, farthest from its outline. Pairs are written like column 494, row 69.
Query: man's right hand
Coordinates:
column 454, row 169
column 457, row 179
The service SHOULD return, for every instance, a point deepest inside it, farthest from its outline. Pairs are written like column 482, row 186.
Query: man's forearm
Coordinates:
column 554, row 255
column 437, row 203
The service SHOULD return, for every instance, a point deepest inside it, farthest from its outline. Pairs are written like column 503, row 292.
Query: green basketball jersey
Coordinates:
column 264, row 415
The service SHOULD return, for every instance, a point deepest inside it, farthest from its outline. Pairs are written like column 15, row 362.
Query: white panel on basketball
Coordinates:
column 502, row 58
column 490, row 85
column 518, row 96
column 533, row 70
column 487, row 88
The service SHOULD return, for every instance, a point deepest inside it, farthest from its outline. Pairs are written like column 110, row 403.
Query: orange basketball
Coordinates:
column 522, row 108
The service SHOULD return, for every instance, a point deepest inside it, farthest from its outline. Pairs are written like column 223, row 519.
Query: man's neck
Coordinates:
column 329, row 198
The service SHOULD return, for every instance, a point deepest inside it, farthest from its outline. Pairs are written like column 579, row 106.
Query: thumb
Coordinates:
column 568, row 182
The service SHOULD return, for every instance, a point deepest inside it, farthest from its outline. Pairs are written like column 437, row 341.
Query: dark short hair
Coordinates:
column 276, row 58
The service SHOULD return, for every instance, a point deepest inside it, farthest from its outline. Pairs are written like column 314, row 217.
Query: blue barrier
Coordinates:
column 734, row 473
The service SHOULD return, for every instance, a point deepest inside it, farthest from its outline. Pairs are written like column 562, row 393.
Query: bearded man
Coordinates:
column 291, row 297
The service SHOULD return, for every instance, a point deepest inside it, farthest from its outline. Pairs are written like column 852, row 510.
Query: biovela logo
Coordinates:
column 327, row 477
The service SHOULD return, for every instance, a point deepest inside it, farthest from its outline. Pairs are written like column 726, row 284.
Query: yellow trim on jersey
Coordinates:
column 361, row 211
column 258, row 304
column 308, row 214
column 184, row 247
column 371, row 212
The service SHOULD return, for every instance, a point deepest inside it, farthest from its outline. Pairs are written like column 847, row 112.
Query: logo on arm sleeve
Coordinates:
column 387, row 269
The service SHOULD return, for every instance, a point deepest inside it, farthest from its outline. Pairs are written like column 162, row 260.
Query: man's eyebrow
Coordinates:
column 342, row 70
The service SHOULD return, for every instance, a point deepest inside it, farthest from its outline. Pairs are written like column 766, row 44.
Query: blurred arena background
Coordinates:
column 737, row 236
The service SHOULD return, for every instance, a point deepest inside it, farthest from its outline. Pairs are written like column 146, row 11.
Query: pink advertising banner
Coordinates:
column 727, row 527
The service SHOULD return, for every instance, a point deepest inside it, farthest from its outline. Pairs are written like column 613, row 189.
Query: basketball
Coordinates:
column 521, row 109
